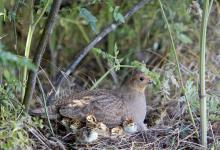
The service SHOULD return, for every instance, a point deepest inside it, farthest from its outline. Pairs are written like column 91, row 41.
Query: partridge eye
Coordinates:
column 141, row 78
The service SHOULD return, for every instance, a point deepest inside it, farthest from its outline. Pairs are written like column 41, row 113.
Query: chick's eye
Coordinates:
column 141, row 78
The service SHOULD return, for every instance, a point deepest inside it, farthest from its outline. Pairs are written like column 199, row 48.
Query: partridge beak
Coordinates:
column 150, row 82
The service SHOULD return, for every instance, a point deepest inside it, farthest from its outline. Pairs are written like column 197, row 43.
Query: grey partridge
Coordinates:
column 110, row 107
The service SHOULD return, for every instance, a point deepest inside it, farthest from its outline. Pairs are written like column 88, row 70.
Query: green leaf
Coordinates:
column 93, row 26
column 116, row 50
column 117, row 15
column 184, row 38
column 180, row 27
column 90, row 19
column 112, row 60
column 7, row 58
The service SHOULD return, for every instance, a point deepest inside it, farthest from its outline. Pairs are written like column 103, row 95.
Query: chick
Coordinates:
column 130, row 126
column 91, row 121
column 75, row 125
column 65, row 122
column 100, row 127
column 86, row 135
column 116, row 131
column 71, row 124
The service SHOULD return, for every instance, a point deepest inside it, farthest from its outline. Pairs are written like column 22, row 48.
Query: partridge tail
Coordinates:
column 52, row 112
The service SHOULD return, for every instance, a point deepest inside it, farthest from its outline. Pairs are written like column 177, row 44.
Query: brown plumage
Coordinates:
column 109, row 107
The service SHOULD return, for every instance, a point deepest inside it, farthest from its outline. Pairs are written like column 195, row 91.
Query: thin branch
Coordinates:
column 202, row 90
column 109, row 71
column 40, row 51
column 71, row 68
column 45, row 107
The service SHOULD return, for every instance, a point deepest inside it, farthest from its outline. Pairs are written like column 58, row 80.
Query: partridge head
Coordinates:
column 137, row 82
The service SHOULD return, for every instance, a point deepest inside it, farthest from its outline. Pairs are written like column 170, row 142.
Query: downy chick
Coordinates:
column 100, row 127
column 86, row 135
column 130, row 126
column 116, row 131
column 71, row 124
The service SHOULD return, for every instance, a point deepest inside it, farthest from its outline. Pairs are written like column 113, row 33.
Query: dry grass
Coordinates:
column 169, row 132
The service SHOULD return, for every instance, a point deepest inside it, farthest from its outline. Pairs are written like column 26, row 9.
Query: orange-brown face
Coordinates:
column 139, row 81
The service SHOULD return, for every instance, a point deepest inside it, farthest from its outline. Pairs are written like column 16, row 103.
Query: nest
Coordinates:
column 165, row 131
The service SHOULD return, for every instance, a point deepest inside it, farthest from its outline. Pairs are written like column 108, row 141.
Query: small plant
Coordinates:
column 213, row 103
column 14, row 123
column 116, row 65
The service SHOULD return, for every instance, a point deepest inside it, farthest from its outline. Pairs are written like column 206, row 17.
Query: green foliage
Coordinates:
column 118, row 17
column 90, row 19
column 7, row 58
column 213, row 103
column 191, row 93
column 41, row 5
column 13, row 123
column 115, row 63
column 4, row 14
column 180, row 28
column 112, row 60
column 11, row 16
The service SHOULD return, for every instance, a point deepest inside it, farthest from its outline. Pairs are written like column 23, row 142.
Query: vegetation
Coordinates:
column 175, row 42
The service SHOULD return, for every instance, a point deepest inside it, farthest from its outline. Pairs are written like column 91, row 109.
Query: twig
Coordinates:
column 40, row 51
column 109, row 71
column 71, row 68
column 45, row 107
column 41, row 138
